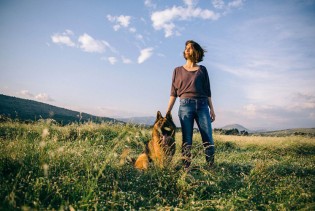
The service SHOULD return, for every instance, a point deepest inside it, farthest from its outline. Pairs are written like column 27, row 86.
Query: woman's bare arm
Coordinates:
column 171, row 104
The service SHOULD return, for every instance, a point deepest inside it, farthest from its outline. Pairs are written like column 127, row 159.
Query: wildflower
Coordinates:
column 42, row 144
column 60, row 149
column 45, row 168
column 45, row 133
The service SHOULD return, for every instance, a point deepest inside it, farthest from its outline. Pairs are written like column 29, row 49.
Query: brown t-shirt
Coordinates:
column 190, row 84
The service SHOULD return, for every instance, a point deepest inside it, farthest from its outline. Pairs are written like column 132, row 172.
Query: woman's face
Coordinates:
column 188, row 51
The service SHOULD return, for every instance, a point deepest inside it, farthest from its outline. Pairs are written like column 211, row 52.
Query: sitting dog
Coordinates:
column 161, row 148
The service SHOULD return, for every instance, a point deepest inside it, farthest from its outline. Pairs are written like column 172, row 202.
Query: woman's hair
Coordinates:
column 198, row 51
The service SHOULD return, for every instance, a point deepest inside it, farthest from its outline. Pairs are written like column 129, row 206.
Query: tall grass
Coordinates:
column 87, row 166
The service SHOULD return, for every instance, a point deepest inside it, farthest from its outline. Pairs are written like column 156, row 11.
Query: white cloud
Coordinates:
column 139, row 37
column 89, row 44
column 40, row 96
column 112, row 60
column 111, row 18
column 69, row 32
column 116, row 27
column 44, row 97
column 165, row 19
column 107, row 45
column 145, row 54
column 148, row 3
column 26, row 93
column 120, row 21
column 301, row 101
column 132, row 30
column 123, row 20
column 160, row 54
column 85, row 42
column 218, row 4
column 235, row 4
column 189, row 2
column 250, row 109
column 63, row 38
column 248, row 71
column 126, row 60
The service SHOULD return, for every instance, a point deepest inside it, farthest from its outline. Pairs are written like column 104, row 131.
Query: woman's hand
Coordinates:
column 212, row 115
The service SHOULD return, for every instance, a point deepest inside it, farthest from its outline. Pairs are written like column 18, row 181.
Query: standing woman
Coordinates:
column 192, row 85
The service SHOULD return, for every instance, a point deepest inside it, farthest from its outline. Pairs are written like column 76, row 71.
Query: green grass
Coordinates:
column 46, row 166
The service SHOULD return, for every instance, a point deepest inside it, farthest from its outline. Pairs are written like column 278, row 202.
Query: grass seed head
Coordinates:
column 45, row 168
column 45, row 133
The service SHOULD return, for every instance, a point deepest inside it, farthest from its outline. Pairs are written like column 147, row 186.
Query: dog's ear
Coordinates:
column 158, row 115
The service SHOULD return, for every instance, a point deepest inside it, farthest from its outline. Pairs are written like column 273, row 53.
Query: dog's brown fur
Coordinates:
column 161, row 148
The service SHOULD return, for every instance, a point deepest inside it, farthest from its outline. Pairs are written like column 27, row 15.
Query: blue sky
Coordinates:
column 116, row 58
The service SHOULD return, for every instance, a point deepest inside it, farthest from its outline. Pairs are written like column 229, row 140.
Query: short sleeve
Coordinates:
column 174, row 87
column 207, row 83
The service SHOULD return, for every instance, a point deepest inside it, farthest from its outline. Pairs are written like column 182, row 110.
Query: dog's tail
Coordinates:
column 125, row 158
column 142, row 162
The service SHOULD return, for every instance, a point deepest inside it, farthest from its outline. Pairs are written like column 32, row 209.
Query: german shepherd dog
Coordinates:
column 161, row 148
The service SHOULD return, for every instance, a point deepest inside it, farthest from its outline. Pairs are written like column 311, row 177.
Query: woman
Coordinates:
column 192, row 85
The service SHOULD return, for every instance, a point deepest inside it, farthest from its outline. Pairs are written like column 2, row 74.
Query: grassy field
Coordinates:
column 46, row 166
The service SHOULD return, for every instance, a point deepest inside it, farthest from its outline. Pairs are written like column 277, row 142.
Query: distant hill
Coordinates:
column 30, row 110
column 289, row 132
column 148, row 121
column 279, row 133
column 237, row 126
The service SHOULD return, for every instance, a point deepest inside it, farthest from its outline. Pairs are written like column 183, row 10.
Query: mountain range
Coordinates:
column 30, row 110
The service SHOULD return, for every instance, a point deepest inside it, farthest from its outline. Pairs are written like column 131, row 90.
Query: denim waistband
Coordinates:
column 191, row 100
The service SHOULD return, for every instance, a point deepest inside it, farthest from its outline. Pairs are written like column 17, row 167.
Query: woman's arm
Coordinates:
column 212, row 114
column 171, row 104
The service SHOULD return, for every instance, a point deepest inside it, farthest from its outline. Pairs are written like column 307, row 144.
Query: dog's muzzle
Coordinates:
column 165, row 138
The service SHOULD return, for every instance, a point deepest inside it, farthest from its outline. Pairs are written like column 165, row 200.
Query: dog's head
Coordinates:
column 165, row 126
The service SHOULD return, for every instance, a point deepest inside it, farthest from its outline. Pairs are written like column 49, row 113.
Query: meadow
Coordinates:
column 87, row 167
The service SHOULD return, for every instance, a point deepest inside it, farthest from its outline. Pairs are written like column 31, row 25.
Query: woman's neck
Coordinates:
column 190, row 64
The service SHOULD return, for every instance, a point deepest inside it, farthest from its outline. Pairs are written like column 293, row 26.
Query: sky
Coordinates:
column 116, row 58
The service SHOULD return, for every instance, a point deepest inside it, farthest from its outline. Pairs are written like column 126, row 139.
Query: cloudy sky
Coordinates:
column 116, row 58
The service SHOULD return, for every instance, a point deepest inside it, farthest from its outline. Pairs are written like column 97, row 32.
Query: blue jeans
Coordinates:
column 198, row 110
